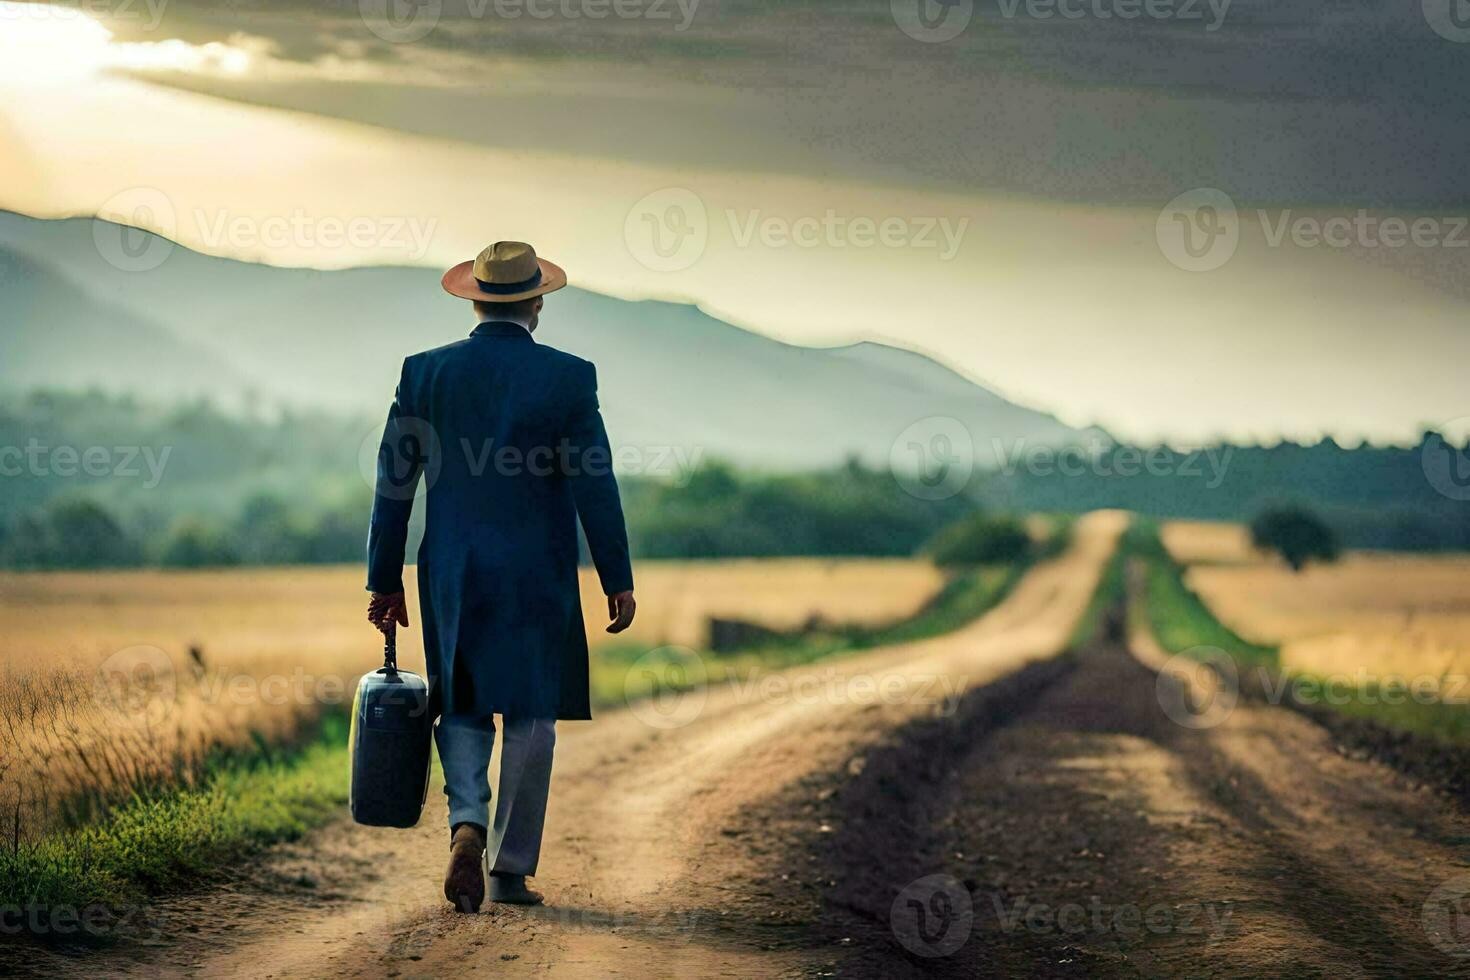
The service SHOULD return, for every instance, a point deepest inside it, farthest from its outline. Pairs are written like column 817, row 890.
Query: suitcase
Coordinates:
column 392, row 731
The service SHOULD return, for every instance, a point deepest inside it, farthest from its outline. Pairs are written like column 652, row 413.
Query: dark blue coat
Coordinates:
column 506, row 435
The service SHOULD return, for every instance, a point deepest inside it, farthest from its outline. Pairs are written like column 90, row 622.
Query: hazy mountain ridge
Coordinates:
column 670, row 375
column 54, row 333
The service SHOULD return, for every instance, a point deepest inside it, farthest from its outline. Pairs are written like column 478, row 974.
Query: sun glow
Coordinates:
column 43, row 44
column 213, row 57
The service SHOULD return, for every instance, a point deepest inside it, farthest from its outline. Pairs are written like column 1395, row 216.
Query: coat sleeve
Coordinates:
column 401, row 459
column 589, row 468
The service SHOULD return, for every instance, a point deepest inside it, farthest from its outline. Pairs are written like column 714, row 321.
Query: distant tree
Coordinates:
column 193, row 543
column 28, row 542
column 267, row 533
column 714, row 481
column 980, row 539
column 84, row 535
column 337, row 536
column 1296, row 534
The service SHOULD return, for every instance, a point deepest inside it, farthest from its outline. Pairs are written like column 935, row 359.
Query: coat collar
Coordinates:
column 501, row 328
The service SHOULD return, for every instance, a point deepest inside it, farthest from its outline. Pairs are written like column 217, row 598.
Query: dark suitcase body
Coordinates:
column 392, row 732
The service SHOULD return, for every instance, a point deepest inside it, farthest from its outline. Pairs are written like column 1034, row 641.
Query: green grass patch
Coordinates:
column 1182, row 622
column 160, row 840
column 1109, row 592
column 1179, row 618
column 1396, row 706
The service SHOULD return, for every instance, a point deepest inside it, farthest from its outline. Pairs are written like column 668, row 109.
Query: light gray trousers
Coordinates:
column 465, row 745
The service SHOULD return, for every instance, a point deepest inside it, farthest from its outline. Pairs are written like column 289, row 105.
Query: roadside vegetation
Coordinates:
column 1105, row 600
column 980, row 539
column 1183, row 623
column 162, row 837
column 1178, row 617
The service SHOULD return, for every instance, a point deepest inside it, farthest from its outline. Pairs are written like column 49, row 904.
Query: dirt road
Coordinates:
column 936, row 808
column 1085, row 830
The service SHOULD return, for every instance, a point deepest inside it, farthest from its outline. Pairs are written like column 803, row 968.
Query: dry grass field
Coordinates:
column 1394, row 615
column 1213, row 542
column 675, row 599
column 114, row 678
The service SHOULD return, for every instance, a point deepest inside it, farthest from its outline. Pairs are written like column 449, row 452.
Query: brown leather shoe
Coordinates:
column 464, row 882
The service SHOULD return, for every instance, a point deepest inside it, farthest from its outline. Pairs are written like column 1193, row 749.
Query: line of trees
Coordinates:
column 79, row 532
column 189, row 486
column 1407, row 498
column 229, row 490
column 720, row 513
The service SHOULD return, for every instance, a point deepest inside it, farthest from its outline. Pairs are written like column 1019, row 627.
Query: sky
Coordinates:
column 1177, row 231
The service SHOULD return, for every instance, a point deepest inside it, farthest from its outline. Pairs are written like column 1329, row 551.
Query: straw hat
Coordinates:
column 506, row 272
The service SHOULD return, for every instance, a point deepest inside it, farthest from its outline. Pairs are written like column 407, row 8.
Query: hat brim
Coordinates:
column 460, row 281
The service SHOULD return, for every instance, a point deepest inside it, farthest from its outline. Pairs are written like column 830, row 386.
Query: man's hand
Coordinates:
column 389, row 610
column 620, row 609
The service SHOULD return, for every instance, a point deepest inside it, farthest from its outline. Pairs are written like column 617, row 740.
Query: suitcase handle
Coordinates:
column 390, row 649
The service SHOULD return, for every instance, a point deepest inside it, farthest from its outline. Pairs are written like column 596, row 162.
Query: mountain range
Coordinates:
column 670, row 374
